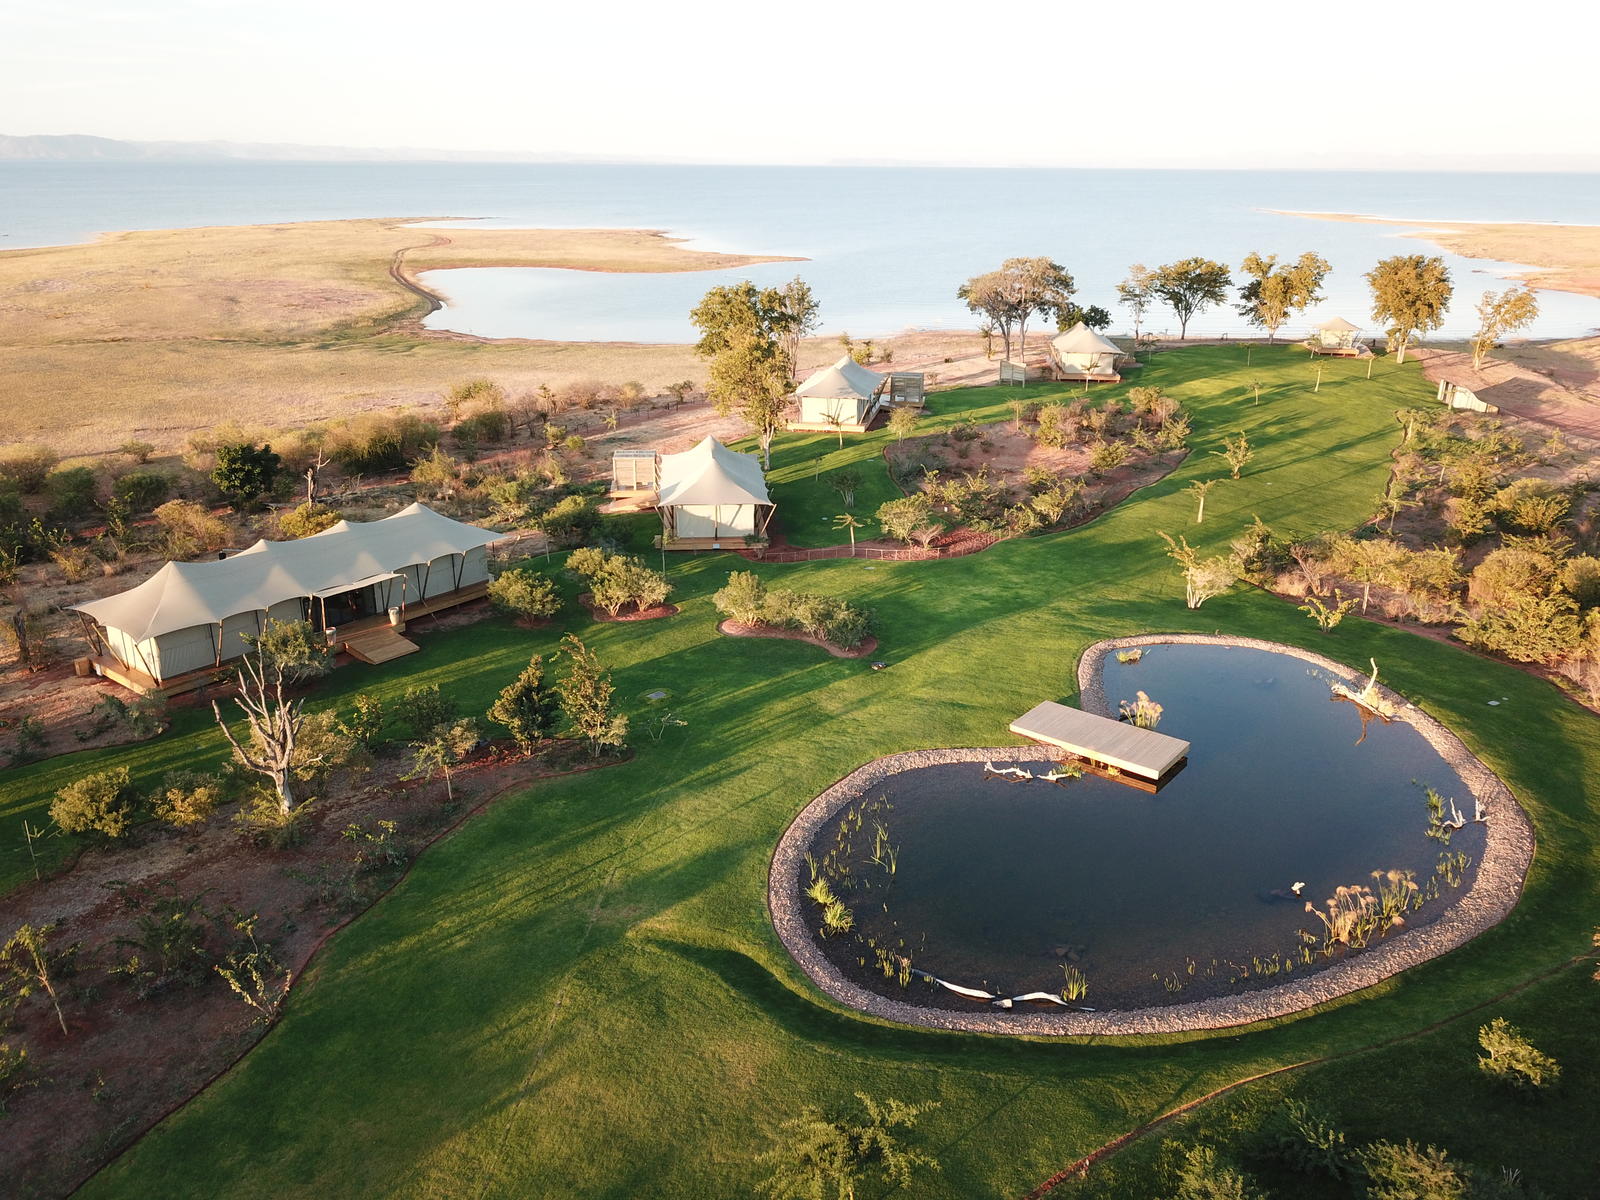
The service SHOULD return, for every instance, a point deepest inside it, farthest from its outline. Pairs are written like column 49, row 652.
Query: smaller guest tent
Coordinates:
column 1082, row 353
column 711, row 494
column 846, row 393
column 1337, row 334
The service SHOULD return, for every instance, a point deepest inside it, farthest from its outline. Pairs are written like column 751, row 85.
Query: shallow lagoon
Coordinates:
column 999, row 885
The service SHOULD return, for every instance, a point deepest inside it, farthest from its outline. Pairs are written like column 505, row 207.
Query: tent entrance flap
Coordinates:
column 357, row 598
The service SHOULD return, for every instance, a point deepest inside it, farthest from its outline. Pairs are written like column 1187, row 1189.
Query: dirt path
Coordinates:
column 397, row 272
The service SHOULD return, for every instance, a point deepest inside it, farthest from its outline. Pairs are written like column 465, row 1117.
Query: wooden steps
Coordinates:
column 378, row 645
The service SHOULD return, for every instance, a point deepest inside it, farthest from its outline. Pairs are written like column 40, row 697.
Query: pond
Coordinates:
column 1196, row 891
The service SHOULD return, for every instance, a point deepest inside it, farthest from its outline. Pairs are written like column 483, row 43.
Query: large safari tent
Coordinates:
column 357, row 579
column 711, row 497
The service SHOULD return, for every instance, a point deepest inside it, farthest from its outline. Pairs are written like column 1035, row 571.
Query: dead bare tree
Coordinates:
column 274, row 723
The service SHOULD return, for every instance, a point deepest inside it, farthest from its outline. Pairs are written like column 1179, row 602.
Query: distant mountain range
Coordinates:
column 80, row 147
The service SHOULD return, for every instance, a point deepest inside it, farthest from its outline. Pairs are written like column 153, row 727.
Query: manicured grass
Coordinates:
column 580, row 994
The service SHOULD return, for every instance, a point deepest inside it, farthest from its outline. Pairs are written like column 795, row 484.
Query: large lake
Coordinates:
column 887, row 246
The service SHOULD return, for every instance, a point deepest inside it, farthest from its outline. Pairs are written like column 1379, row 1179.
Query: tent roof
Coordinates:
column 845, row 380
column 711, row 474
column 1338, row 325
column 1080, row 339
column 347, row 555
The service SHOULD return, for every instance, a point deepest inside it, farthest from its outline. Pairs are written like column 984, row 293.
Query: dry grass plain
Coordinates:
column 154, row 334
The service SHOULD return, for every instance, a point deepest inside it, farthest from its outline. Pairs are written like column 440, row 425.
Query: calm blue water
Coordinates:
column 999, row 884
column 887, row 246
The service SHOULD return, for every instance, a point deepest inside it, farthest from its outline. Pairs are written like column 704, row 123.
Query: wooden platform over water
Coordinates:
column 1102, row 741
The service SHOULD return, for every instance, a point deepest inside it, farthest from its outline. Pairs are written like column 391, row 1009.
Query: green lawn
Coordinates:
column 579, row 992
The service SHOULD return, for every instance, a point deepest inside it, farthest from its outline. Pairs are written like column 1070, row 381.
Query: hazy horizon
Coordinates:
column 1256, row 86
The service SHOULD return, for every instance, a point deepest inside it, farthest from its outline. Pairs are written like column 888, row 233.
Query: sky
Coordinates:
column 1405, row 84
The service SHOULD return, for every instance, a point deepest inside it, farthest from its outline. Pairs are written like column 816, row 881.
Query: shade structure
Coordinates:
column 190, row 615
column 1337, row 325
column 710, row 473
column 845, row 379
column 1080, row 339
column 711, row 493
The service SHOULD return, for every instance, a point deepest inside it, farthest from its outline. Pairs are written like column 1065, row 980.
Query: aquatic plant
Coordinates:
column 1395, row 892
column 821, row 892
column 837, row 919
column 1142, row 711
column 1130, row 656
column 1349, row 919
column 1075, row 986
column 1452, row 868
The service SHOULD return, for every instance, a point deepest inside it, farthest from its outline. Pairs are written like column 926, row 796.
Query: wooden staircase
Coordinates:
column 378, row 645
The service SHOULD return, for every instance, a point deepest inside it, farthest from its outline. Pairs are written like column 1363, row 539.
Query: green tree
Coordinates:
column 528, row 707
column 815, row 1156
column 848, row 522
column 1410, row 1172
column 244, row 472
column 1500, row 313
column 900, row 519
column 27, row 965
column 293, row 649
column 742, row 599
column 586, row 698
column 989, row 296
column 902, row 423
column 1236, row 452
column 741, row 332
column 1070, row 314
column 444, row 747
column 274, row 722
column 1190, row 286
column 307, row 519
column 1274, row 293
column 801, row 317
column 1136, row 293
column 1199, row 488
column 1410, row 293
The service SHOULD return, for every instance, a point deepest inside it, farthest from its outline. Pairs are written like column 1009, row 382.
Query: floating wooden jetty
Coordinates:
column 1114, row 746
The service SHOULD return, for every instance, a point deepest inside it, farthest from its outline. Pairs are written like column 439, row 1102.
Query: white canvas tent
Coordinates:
column 712, row 494
column 191, row 616
column 1081, row 352
column 1337, row 334
column 845, row 392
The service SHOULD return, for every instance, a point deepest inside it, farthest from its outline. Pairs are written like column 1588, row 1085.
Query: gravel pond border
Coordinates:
column 1507, row 854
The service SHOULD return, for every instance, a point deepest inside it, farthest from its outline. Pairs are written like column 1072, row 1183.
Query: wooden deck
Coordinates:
column 1062, row 375
column 378, row 645
column 1103, row 742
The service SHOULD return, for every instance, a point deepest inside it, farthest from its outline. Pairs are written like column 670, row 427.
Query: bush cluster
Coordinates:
column 746, row 600
column 616, row 581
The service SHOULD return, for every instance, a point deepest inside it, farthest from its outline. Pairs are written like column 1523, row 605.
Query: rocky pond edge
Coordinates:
column 1507, row 854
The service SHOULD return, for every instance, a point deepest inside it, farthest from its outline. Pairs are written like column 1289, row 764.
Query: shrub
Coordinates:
column 1410, row 1172
column 187, row 798
column 1199, row 1174
column 100, row 803
column 1108, row 456
column 1304, row 1140
column 381, row 441
column 141, row 491
column 743, row 599
column 616, row 581
column 1580, row 579
column 75, row 563
column 27, row 466
column 571, row 520
column 491, row 425
column 189, row 529
column 70, row 491
column 364, row 723
column 474, row 394
column 1057, row 427
column 305, row 520
column 436, row 473
column 423, row 709
column 244, row 472
column 1510, row 1059
column 899, row 518
column 140, row 452
column 525, row 594
column 902, row 423
column 1526, row 628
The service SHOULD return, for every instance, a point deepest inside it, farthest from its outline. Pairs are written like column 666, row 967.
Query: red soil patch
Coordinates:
column 627, row 614
column 738, row 629
column 130, row 1062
